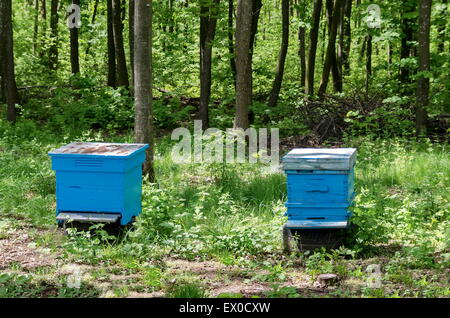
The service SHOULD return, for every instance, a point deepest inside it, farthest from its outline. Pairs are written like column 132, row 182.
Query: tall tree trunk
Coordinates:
column 231, row 40
column 331, row 48
column 121, row 63
column 94, row 16
column 7, row 58
column 171, row 19
column 442, row 27
column 337, row 81
column 256, row 12
column 43, row 12
column 346, row 37
column 36, row 26
column 143, row 128
column 276, row 86
column 131, row 38
column 53, row 50
column 208, row 22
column 389, row 57
column 74, row 46
column 368, row 61
column 407, row 47
column 302, row 41
column 313, row 35
column 111, row 47
column 423, row 82
column 243, row 62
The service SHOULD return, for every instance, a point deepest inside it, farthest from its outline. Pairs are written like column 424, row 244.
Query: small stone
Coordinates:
column 327, row 279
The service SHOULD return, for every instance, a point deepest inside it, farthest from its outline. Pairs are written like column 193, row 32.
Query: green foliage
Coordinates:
column 83, row 108
column 187, row 290
column 282, row 292
column 389, row 120
column 25, row 286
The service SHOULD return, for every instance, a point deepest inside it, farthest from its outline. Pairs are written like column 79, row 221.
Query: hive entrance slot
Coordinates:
column 316, row 218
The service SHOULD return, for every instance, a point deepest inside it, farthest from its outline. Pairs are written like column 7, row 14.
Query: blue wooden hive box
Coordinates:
column 98, row 182
column 320, row 187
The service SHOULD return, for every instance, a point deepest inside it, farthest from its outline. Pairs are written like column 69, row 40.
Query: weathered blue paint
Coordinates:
column 108, row 180
column 320, row 184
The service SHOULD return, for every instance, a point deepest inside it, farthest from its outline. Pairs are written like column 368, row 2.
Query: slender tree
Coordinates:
column 7, row 57
column 335, row 71
column 74, row 46
column 408, row 25
column 368, row 61
column 346, row 37
column 443, row 18
column 423, row 81
column 53, row 49
column 36, row 26
column 43, row 24
column 256, row 13
column 208, row 22
column 331, row 47
column 111, row 79
column 143, row 128
column 131, row 37
column 121, row 63
column 243, row 62
column 94, row 16
column 301, row 7
column 313, row 35
column 276, row 86
column 231, row 39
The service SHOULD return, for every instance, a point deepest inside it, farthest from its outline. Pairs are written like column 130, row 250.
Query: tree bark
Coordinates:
column 346, row 37
column 121, row 63
column 231, row 40
column 335, row 72
column 243, row 62
column 423, row 82
column 442, row 27
column 407, row 47
column 256, row 12
column 143, row 129
column 208, row 22
column 368, row 61
column 313, row 35
column 36, row 26
column 276, row 86
column 7, row 57
column 74, row 47
column 111, row 47
column 94, row 16
column 43, row 12
column 302, row 42
column 53, row 50
column 331, row 48
column 131, row 38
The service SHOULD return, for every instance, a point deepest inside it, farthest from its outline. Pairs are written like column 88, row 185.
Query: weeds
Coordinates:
column 401, row 215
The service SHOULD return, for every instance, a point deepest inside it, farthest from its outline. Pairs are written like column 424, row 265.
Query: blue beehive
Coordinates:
column 320, row 186
column 98, row 182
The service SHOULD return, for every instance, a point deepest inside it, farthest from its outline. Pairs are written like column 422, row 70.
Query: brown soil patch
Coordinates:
column 16, row 249
column 205, row 269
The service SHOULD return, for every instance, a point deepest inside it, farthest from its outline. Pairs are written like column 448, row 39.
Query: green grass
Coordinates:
column 233, row 214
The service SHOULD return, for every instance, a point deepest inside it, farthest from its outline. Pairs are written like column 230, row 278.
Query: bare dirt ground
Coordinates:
column 17, row 248
column 19, row 252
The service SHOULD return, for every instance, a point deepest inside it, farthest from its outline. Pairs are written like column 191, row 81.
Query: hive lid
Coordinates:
column 98, row 149
column 320, row 159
